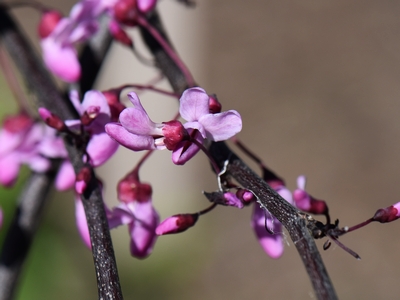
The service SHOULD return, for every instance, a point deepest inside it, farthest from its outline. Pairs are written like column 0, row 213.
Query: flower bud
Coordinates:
column 18, row 123
column 48, row 22
column 116, row 107
column 214, row 105
column 82, row 180
column 387, row 214
column 52, row 120
column 126, row 11
column 130, row 189
column 176, row 224
column 119, row 34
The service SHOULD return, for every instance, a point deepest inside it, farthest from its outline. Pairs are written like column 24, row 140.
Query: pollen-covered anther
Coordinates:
column 90, row 114
column 174, row 133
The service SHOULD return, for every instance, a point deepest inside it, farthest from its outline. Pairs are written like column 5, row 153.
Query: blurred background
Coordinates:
column 317, row 85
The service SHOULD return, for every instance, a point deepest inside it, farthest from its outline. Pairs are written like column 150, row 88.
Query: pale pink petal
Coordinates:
column 95, row 98
column 301, row 182
column 142, row 230
column 194, row 104
column 129, row 140
column 285, row 194
column 9, row 141
column 65, row 177
column 38, row 163
column 61, row 60
column 136, row 120
column 271, row 243
column 222, row 126
column 185, row 150
column 9, row 169
column 100, row 148
column 76, row 101
column 81, row 222
column 146, row 5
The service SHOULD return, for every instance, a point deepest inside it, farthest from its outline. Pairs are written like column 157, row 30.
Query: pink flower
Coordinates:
column 305, row 202
column 142, row 220
column 25, row 142
column 59, row 53
column 195, row 108
column 138, row 132
column 95, row 113
column 271, row 240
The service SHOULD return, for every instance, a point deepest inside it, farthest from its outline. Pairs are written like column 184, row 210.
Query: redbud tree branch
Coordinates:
column 47, row 95
column 293, row 220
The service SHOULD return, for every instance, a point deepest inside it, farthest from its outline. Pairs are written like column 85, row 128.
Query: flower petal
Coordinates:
column 222, row 126
column 9, row 169
column 146, row 5
column 194, row 104
column 136, row 120
column 65, row 177
column 129, row 140
column 81, row 222
column 185, row 150
column 61, row 60
column 142, row 230
column 271, row 243
column 100, row 148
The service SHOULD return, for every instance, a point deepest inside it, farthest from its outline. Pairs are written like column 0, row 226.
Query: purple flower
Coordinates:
column 305, row 201
column 59, row 53
column 25, row 142
column 195, row 108
column 271, row 240
column 95, row 113
column 137, row 131
column 142, row 220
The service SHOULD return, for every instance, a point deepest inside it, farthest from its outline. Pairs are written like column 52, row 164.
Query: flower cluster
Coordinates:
column 59, row 35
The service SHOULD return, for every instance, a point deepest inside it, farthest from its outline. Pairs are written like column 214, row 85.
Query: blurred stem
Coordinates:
column 47, row 95
column 23, row 228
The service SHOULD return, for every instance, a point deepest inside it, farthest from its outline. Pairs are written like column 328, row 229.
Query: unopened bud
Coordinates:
column 18, row 123
column 130, row 190
column 126, row 12
column 119, row 34
column 48, row 22
column 387, row 214
column 82, row 180
column 214, row 105
column 245, row 195
column 176, row 224
column 116, row 107
column 52, row 120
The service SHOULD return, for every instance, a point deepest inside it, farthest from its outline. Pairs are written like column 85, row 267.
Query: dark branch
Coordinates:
column 47, row 95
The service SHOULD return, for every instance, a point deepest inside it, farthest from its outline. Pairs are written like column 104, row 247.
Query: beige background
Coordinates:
column 317, row 85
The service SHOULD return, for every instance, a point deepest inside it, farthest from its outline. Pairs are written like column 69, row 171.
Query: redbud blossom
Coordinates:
column 387, row 214
column 306, row 202
column 138, row 132
column 267, row 228
column 176, row 224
